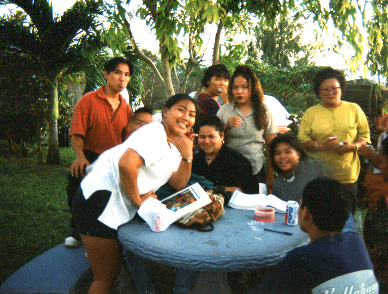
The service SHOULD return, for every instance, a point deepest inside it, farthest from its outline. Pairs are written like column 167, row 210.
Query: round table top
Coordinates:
column 238, row 242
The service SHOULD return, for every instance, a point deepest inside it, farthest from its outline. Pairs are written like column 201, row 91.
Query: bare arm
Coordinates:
column 311, row 145
column 77, row 167
column 371, row 154
column 232, row 189
column 232, row 122
column 269, row 178
column 180, row 178
column 129, row 163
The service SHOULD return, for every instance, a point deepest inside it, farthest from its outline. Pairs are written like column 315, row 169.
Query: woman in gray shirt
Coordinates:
column 248, row 122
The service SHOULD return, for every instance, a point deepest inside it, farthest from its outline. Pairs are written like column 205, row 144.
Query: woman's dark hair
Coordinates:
column 212, row 121
column 328, row 201
column 218, row 70
column 325, row 74
column 257, row 94
column 178, row 97
column 290, row 140
column 112, row 64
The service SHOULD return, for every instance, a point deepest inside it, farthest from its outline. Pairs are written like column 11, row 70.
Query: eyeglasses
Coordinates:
column 328, row 90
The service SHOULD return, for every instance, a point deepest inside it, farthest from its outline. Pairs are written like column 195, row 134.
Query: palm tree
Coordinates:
column 53, row 45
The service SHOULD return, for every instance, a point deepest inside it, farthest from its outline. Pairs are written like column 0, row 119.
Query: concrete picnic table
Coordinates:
column 237, row 243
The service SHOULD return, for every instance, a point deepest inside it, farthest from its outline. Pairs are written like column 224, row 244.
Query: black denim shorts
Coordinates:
column 87, row 212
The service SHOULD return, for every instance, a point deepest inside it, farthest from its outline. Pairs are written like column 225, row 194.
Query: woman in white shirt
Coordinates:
column 124, row 177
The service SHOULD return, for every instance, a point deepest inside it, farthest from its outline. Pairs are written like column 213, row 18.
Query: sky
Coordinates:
column 147, row 40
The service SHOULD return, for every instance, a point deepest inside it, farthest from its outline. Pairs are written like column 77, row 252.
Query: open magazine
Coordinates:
column 159, row 215
column 241, row 200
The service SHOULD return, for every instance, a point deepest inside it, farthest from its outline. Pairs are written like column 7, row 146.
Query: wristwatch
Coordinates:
column 189, row 159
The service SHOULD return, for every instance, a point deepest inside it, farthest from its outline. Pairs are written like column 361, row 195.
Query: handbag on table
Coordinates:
column 202, row 219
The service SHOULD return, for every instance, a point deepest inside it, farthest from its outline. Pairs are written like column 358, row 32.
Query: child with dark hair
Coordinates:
column 141, row 117
column 293, row 166
column 335, row 261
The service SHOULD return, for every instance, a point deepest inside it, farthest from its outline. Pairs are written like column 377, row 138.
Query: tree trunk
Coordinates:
column 53, row 149
column 217, row 43
column 166, row 72
column 10, row 143
column 138, row 51
column 176, row 79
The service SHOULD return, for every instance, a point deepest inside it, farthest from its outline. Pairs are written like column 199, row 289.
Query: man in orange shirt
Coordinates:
column 100, row 122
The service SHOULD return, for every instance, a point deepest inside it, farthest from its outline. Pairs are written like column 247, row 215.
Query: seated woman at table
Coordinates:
column 293, row 166
column 295, row 170
column 124, row 177
column 220, row 164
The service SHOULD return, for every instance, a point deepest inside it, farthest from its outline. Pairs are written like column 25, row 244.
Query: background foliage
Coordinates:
column 273, row 47
column 43, row 50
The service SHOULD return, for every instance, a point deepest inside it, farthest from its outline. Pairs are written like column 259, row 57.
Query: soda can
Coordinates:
column 158, row 222
column 291, row 217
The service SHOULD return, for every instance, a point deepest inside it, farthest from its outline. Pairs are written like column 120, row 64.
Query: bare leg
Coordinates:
column 105, row 257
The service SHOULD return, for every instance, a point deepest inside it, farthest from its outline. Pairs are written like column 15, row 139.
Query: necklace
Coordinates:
column 289, row 178
column 210, row 158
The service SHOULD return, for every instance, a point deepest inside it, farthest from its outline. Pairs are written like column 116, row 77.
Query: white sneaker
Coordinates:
column 72, row 242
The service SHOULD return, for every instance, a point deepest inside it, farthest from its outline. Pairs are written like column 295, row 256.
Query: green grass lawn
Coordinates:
column 34, row 215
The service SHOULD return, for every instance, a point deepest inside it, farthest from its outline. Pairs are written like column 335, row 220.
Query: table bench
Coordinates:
column 58, row 270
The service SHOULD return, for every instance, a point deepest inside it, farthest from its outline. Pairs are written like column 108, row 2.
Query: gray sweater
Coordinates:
column 306, row 171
